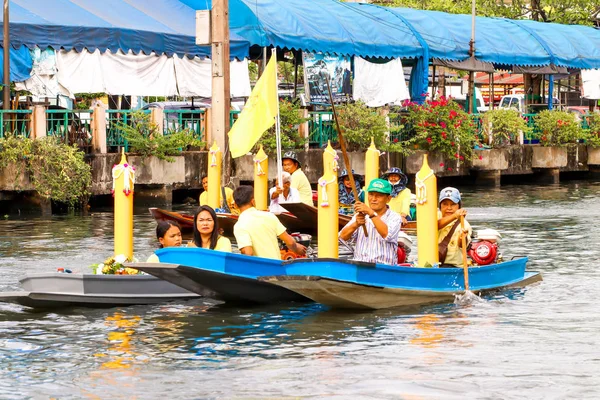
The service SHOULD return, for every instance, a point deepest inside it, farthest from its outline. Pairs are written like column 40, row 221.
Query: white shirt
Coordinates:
column 293, row 197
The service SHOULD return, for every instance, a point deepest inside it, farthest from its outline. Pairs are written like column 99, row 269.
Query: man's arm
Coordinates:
column 444, row 221
column 351, row 227
column 247, row 251
column 291, row 243
column 380, row 226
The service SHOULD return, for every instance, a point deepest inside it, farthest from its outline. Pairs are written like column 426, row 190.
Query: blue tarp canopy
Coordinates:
column 160, row 26
column 368, row 30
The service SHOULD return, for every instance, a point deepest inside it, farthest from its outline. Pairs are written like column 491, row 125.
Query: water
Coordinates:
column 535, row 343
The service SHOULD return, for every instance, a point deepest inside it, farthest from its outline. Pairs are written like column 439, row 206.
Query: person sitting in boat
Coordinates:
column 206, row 231
column 400, row 202
column 168, row 234
column 383, row 226
column 346, row 197
column 225, row 198
column 449, row 229
column 256, row 232
column 291, row 165
column 281, row 195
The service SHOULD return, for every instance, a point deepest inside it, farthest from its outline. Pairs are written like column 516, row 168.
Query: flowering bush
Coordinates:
column 114, row 266
column 593, row 134
column 505, row 126
column 441, row 126
column 558, row 128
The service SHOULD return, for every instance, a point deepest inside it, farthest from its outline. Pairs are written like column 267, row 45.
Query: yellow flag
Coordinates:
column 258, row 114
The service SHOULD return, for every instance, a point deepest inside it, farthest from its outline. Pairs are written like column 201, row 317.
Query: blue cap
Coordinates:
column 449, row 193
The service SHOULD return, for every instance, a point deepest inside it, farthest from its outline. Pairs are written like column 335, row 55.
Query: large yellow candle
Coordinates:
column 123, row 180
column 371, row 163
column 261, row 180
column 427, row 231
column 215, row 162
column 328, row 206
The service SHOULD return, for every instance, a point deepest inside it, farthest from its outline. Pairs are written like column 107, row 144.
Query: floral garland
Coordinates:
column 259, row 170
column 114, row 266
column 128, row 172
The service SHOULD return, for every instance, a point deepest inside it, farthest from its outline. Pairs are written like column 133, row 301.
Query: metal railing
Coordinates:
column 321, row 128
column 177, row 120
column 15, row 122
column 534, row 134
column 116, row 120
column 70, row 126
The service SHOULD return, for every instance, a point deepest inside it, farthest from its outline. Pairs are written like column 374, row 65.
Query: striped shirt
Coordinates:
column 375, row 248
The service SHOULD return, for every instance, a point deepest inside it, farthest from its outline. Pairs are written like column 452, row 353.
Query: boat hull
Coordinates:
column 223, row 276
column 52, row 290
column 348, row 295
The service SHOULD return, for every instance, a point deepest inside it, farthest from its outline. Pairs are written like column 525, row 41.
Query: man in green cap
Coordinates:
column 383, row 226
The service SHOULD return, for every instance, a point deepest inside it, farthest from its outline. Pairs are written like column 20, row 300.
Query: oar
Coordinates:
column 343, row 146
column 464, row 252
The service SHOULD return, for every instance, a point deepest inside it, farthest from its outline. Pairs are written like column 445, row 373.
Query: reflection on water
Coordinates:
column 538, row 342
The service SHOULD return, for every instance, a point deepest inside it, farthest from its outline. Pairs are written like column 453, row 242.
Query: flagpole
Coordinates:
column 278, row 126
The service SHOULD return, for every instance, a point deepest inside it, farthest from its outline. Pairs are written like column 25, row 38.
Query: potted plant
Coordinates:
column 504, row 127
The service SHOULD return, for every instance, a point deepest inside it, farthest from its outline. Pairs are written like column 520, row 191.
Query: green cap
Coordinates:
column 380, row 185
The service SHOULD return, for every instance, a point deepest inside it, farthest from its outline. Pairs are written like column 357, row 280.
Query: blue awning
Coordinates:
column 160, row 26
column 20, row 64
column 367, row 30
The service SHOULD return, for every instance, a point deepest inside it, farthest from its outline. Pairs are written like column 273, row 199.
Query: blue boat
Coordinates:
column 223, row 276
column 333, row 282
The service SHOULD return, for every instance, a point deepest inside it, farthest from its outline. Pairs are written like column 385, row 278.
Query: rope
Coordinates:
column 335, row 164
column 421, row 189
column 128, row 172
column 323, row 183
column 259, row 170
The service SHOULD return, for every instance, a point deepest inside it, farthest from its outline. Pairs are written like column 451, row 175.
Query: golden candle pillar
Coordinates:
column 328, row 206
column 371, row 163
column 123, row 180
column 215, row 163
column 261, row 180
column 427, row 230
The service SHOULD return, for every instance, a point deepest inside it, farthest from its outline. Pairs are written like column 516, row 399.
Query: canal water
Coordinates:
column 536, row 343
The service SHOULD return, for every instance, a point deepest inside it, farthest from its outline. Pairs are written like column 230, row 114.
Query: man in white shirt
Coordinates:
column 281, row 195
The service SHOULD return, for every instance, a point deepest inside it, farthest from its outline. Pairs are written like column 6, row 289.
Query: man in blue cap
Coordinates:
column 383, row 226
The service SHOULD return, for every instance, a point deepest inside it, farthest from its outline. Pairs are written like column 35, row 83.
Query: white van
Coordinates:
column 456, row 93
column 517, row 102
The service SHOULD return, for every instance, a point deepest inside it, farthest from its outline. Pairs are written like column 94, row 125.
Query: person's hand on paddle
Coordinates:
column 461, row 212
column 362, row 208
column 360, row 219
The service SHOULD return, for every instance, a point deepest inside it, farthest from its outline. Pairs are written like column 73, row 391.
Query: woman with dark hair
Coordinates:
column 168, row 234
column 206, row 231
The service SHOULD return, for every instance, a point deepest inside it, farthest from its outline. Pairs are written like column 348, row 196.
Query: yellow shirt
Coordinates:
column 228, row 194
column 153, row 258
column 259, row 230
column 454, row 255
column 300, row 181
column 401, row 203
column 223, row 244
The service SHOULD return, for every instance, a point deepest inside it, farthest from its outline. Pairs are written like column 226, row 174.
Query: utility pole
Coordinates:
column 220, row 107
column 6, row 44
column 471, row 107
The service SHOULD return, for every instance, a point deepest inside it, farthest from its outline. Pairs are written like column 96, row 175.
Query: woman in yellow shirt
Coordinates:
column 400, row 202
column 206, row 231
column 168, row 234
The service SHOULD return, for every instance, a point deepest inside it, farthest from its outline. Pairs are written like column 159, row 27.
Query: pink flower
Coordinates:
column 452, row 114
column 443, row 124
column 461, row 158
column 442, row 165
column 396, row 140
column 429, row 140
column 444, row 135
column 451, row 143
column 449, row 168
column 456, row 155
column 481, row 157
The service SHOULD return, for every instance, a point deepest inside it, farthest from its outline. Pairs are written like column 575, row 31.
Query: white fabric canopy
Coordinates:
column 134, row 74
column 379, row 84
column 590, row 83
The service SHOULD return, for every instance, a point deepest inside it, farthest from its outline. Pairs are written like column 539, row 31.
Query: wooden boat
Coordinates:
column 358, row 285
column 231, row 277
column 54, row 290
column 333, row 282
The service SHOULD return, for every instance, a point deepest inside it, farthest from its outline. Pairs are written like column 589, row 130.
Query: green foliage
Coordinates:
column 505, row 126
column 145, row 139
column 289, row 115
column 359, row 123
column 558, row 128
column 439, row 126
column 583, row 12
column 593, row 133
column 84, row 100
column 57, row 171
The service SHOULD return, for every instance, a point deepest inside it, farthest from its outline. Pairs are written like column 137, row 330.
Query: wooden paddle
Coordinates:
column 464, row 251
column 344, row 153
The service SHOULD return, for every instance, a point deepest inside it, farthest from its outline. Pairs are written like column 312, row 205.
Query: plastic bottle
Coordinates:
column 60, row 270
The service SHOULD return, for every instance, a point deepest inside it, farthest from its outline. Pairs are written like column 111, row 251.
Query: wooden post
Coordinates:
column 220, row 80
column 99, row 130
column 6, row 44
column 39, row 122
column 157, row 118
